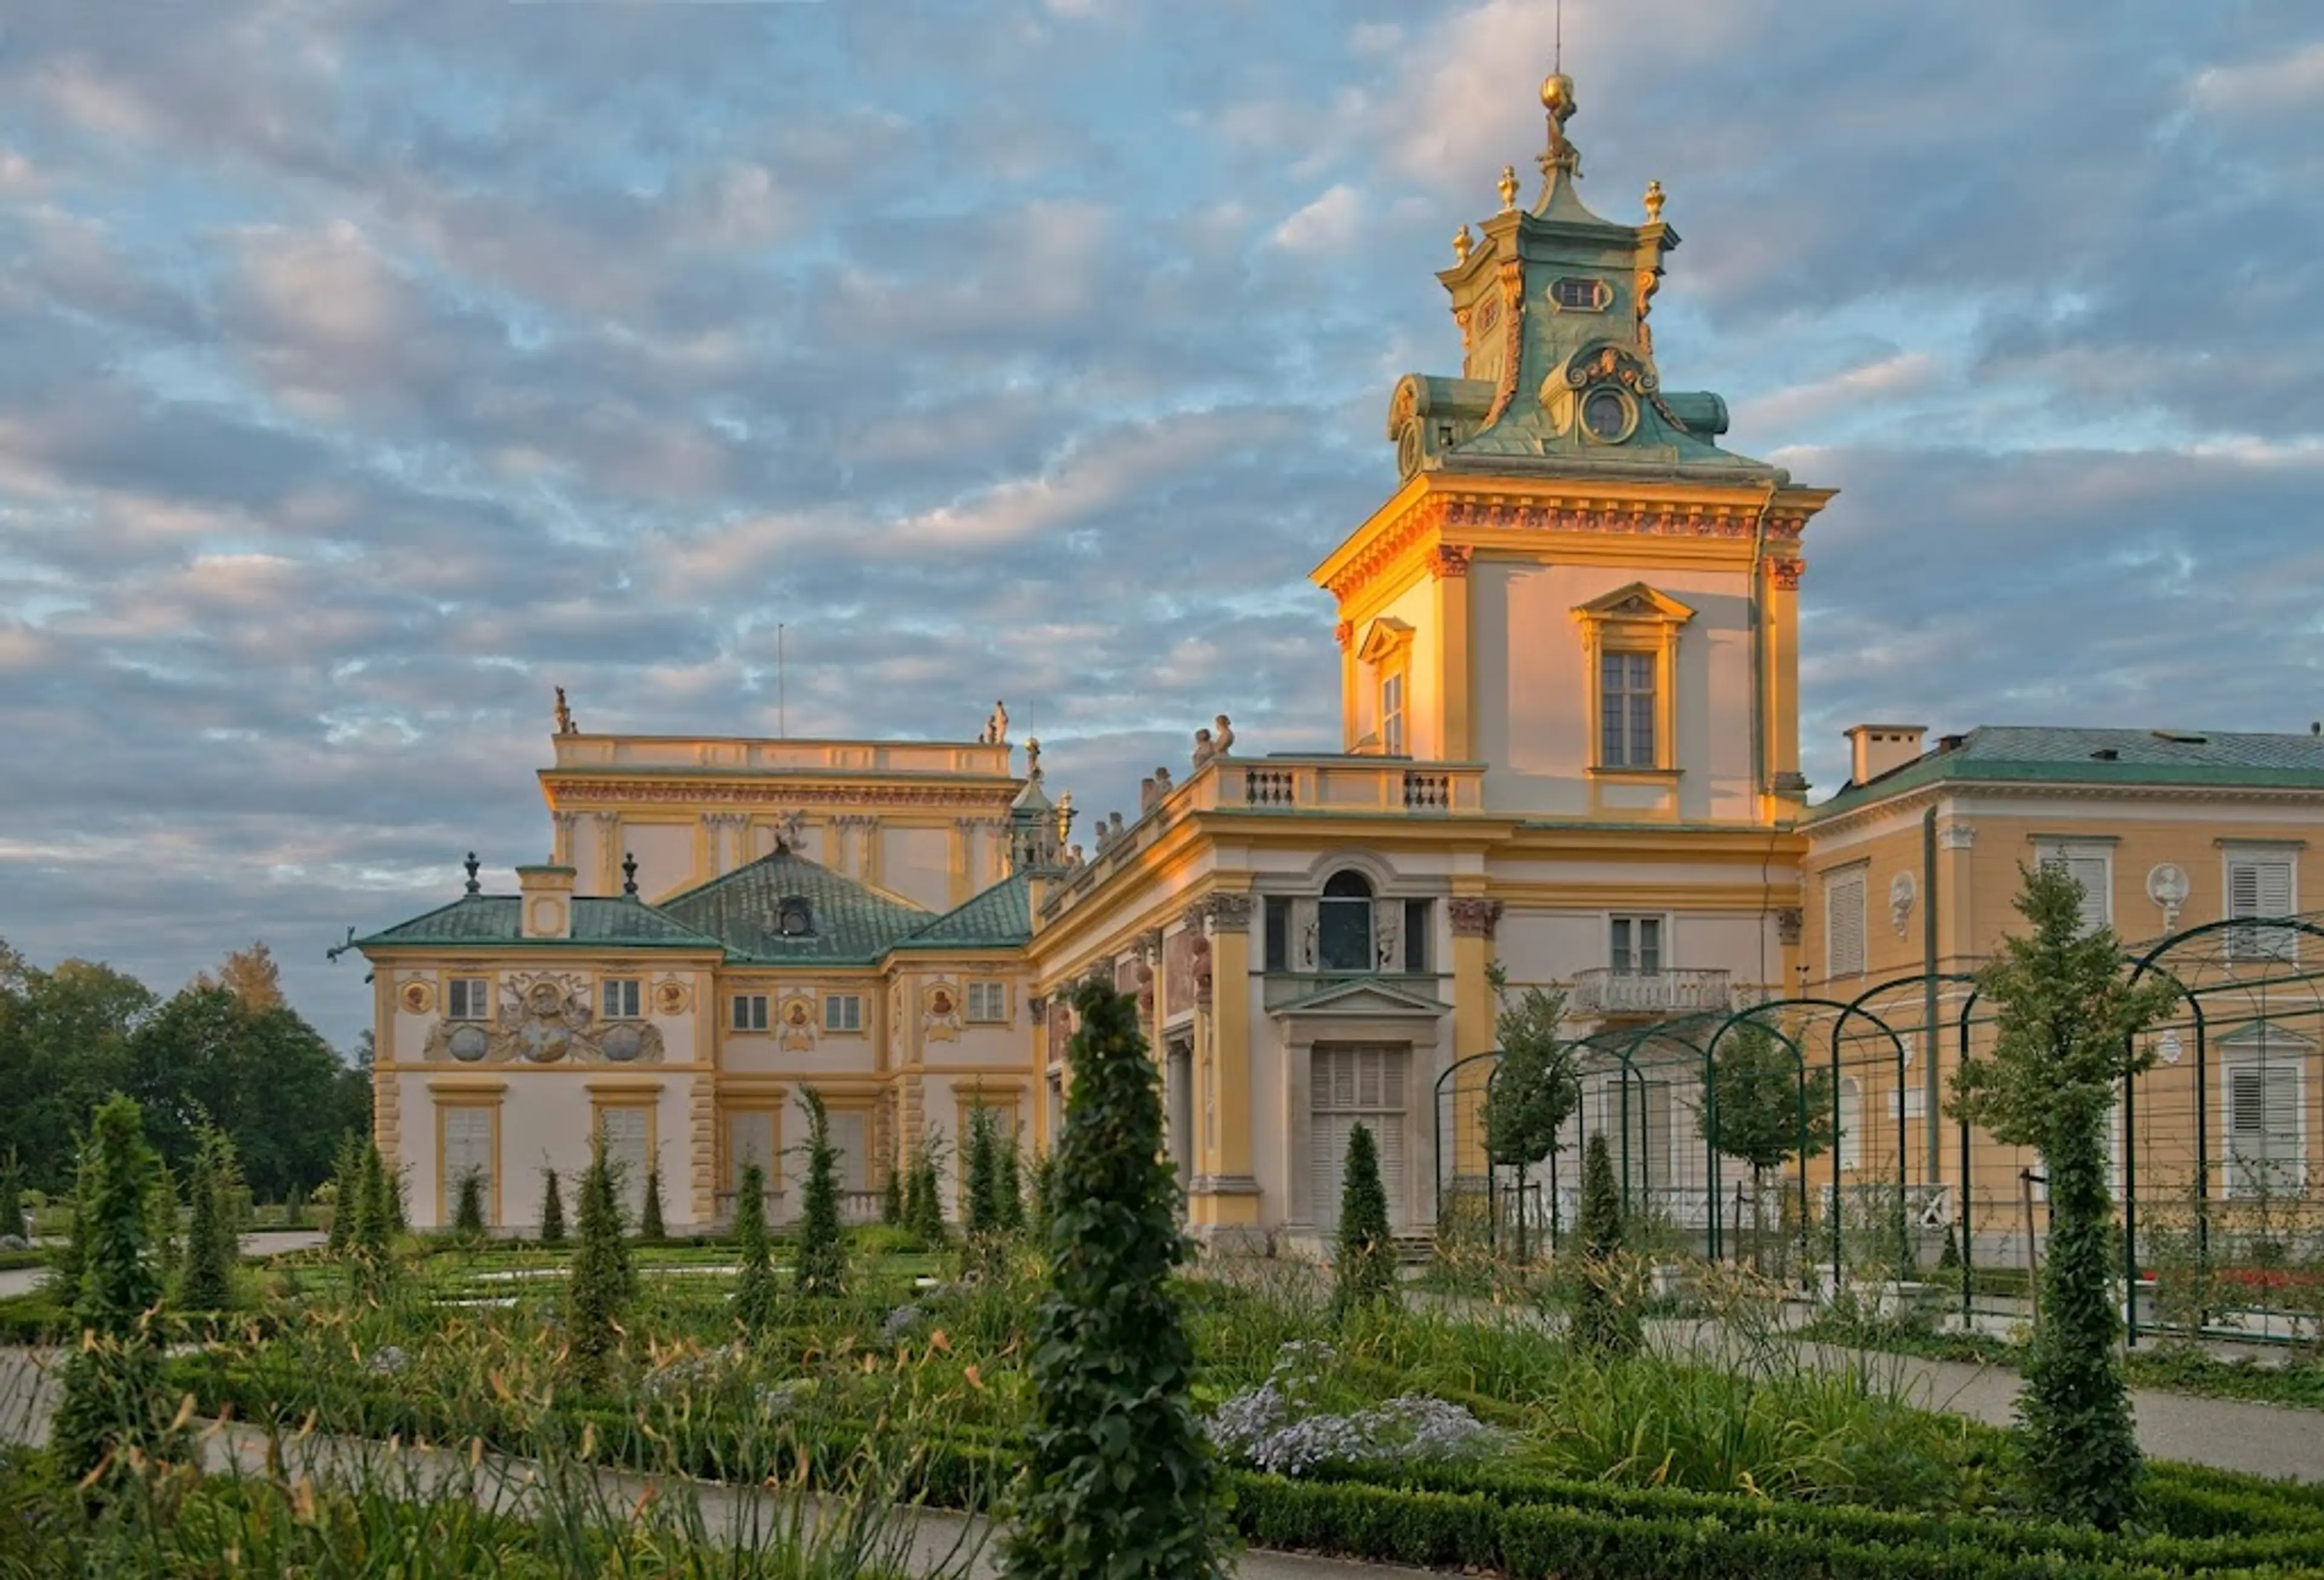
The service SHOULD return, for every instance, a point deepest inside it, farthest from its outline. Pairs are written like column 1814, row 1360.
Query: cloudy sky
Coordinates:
column 369, row 366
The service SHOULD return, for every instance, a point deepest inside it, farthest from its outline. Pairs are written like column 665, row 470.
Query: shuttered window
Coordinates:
column 2266, row 1146
column 751, row 1139
column 467, row 1150
column 850, row 1137
column 2260, row 884
column 2092, row 866
column 1843, row 923
column 1352, row 1085
column 628, row 1152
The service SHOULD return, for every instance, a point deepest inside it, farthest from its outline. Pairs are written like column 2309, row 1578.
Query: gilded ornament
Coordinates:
column 1462, row 243
column 544, row 1019
column 1508, row 187
column 1653, row 202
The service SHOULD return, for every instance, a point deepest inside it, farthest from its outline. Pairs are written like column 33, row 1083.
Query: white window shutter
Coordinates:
column 468, row 1149
column 1844, row 925
column 2261, row 886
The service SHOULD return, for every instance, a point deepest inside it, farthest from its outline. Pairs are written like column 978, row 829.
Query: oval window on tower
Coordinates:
column 1574, row 295
column 1609, row 415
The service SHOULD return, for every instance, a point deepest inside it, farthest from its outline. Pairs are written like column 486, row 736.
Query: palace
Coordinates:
column 1569, row 652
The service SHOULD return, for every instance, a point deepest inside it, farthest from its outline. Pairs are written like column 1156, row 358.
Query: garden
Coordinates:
column 1054, row 1357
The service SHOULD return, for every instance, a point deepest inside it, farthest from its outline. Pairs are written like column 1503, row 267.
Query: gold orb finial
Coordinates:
column 1653, row 202
column 1461, row 242
column 1557, row 94
column 1508, row 187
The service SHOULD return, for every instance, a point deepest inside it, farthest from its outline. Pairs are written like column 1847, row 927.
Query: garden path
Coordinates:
column 23, row 1280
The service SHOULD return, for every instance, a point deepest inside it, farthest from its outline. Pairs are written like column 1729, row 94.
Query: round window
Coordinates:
column 1606, row 413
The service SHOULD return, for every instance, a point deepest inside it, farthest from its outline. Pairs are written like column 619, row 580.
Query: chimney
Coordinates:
column 547, row 910
column 1877, row 749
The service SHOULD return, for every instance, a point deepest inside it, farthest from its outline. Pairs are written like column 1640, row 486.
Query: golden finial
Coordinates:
column 1508, row 187
column 1461, row 242
column 1653, row 202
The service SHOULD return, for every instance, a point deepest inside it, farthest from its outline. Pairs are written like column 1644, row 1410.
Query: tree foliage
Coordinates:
column 1604, row 1324
column 1754, row 1113
column 213, row 1243
column 822, row 1255
column 1364, row 1267
column 651, row 1228
column 346, row 1194
column 2067, row 1023
column 1536, row 1085
column 981, row 1178
column 552, row 1209
column 923, row 1197
column 251, row 975
column 468, row 1208
column 602, row 1282
column 11, row 1196
column 1118, row 1480
column 113, row 1389
column 755, row 1280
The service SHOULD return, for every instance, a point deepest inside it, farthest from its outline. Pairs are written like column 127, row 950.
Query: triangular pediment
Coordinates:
column 1635, row 601
column 1366, row 995
column 1384, row 637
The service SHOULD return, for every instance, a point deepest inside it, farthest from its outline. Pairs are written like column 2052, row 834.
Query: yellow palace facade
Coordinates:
column 1569, row 646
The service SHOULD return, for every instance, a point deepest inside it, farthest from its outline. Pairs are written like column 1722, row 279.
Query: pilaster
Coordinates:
column 609, row 852
column 1449, row 567
column 1224, row 1201
column 701, row 1150
column 561, row 847
column 1784, row 792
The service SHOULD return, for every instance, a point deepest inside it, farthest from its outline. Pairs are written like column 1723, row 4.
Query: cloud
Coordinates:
column 374, row 368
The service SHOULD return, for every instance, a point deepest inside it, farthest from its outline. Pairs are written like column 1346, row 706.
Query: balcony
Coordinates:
column 1611, row 994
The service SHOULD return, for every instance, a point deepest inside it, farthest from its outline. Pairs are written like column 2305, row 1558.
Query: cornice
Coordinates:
column 566, row 791
column 1435, row 512
column 1921, row 796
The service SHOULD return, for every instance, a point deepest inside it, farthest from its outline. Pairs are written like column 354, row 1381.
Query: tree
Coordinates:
column 1534, row 1089
column 981, row 1176
column 346, row 1194
column 1604, row 1324
column 11, row 1196
column 468, row 1208
column 601, row 1280
column 64, row 1040
column 1119, row 1479
column 2067, row 1021
column 923, row 1198
column 251, row 975
column 822, row 1253
column 168, row 1249
column 113, row 1385
column 371, row 1239
column 649, row 1223
column 263, row 1075
column 206, row 1283
column 70, row 1260
column 1011, row 1186
column 1764, row 1107
column 1367, row 1260
column 552, row 1209
column 754, row 1280
column 891, row 1199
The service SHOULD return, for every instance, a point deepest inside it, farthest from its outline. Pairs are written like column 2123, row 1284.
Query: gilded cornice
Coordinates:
column 1956, row 789
column 1433, row 513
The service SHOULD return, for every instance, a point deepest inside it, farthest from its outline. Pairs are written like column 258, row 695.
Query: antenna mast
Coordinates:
column 782, row 692
column 1557, row 51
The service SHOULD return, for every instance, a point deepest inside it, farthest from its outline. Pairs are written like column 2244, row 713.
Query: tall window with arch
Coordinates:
column 1343, row 923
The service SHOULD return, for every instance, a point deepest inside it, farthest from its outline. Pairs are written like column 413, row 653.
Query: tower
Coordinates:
column 1574, row 584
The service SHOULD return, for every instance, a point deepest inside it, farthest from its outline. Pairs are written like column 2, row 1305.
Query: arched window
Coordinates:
column 793, row 918
column 1344, row 923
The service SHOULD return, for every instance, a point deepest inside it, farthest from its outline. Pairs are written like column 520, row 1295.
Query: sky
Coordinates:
column 369, row 367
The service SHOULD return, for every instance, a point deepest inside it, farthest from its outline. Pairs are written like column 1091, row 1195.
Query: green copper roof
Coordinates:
column 498, row 919
column 1000, row 917
column 1555, row 303
column 845, row 920
column 2033, row 754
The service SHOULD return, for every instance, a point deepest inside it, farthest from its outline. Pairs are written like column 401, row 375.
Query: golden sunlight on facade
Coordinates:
column 1569, row 647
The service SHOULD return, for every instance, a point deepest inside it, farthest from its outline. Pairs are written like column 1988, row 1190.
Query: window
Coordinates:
column 988, row 1000
column 750, row 1012
column 1344, row 925
column 843, row 1012
column 628, row 1135
column 468, row 1136
column 794, row 920
column 2260, row 884
column 1417, row 914
column 1635, row 946
column 468, row 998
column 1843, row 923
column 851, row 1131
column 751, row 1139
column 2092, row 866
column 1626, row 710
column 1391, row 730
column 621, row 998
column 2264, row 1073
column 1579, row 295
column 1278, row 934
column 1352, row 1085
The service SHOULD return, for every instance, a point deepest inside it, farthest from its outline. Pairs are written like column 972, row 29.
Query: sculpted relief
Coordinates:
column 544, row 1019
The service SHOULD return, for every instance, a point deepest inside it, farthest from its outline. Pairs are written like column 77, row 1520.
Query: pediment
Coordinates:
column 1382, row 638
column 1635, row 601
column 1364, row 996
